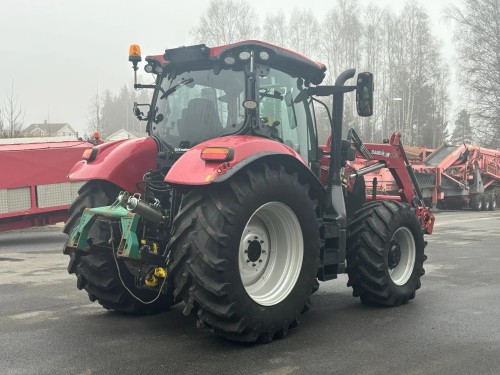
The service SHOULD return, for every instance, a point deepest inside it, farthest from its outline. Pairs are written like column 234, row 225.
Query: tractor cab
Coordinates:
column 246, row 88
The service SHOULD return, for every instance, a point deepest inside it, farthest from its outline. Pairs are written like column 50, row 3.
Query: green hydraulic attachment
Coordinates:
column 129, row 243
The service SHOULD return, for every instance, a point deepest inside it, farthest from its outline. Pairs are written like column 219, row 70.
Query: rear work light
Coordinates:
column 217, row 153
column 89, row 154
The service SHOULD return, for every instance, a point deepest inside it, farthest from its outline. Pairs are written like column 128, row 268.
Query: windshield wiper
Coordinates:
column 172, row 89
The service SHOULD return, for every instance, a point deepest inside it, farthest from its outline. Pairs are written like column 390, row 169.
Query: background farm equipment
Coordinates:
column 34, row 187
column 452, row 177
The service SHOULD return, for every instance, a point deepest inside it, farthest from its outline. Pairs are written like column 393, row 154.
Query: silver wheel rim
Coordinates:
column 271, row 253
column 400, row 273
column 493, row 202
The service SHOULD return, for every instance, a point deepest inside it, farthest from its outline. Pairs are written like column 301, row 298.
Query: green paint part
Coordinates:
column 129, row 243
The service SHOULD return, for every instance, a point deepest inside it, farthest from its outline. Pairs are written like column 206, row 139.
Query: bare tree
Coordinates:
column 95, row 120
column 1, row 124
column 12, row 115
column 303, row 28
column 374, row 58
column 340, row 47
column 477, row 39
column 275, row 29
column 340, row 39
column 410, row 78
column 226, row 21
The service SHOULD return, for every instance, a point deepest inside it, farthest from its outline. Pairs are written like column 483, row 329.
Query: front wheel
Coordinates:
column 245, row 254
column 385, row 253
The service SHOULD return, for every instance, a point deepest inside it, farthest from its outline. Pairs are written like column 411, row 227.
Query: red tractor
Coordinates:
column 231, row 206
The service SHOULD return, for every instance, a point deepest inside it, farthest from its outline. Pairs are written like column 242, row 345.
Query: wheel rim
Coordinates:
column 494, row 202
column 271, row 253
column 401, row 257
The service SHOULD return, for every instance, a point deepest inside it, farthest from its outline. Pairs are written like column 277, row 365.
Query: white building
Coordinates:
column 49, row 130
column 124, row 134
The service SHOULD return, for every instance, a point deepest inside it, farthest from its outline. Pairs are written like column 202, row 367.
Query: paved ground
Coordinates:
column 47, row 326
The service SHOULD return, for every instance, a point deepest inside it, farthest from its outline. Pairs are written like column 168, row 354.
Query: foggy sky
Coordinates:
column 57, row 52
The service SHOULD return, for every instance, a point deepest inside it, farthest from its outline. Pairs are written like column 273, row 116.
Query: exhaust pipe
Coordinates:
column 136, row 206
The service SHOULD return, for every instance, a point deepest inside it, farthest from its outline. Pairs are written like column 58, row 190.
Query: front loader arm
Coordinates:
column 393, row 157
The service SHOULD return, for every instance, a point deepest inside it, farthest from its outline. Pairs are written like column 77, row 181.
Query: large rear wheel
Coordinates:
column 97, row 271
column 486, row 202
column 385, row 254
column 245, row 254
column 493, row 199
column 476, row 202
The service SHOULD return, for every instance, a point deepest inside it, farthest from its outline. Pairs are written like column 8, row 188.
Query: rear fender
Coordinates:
column 190, row 169
column 122, row 163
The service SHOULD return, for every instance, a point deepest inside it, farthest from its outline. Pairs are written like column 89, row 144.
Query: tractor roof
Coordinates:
column 193, row 57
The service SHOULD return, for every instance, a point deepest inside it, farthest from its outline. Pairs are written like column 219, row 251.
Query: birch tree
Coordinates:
column 227, row 21
column 275, row 29
column 477, row 39
column 12, row 115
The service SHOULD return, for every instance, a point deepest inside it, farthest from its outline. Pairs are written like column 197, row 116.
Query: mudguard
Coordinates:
column 122, row 162
column 191, row 169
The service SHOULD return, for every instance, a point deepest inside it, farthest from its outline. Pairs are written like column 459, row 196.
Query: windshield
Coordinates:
column 200, row 105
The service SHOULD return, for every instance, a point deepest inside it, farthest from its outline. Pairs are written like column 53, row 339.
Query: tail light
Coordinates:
column 217, row 153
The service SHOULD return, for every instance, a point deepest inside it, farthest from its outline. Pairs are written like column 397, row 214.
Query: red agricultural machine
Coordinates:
column 450, row 177
column 34, row 187
column 461, row 176
column 232, row 207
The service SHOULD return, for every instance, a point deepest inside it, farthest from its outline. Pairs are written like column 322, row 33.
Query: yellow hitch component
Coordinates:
column 151, row 280
column 154, row 247
column 160, row 272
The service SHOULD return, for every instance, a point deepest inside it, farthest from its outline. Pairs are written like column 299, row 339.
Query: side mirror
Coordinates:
column 139, row 114
column 364, row 94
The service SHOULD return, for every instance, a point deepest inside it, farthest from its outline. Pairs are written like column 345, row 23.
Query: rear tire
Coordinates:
column 245, row 254
column 96, row 271
column 486, row 202
column 385, row 253
column 493, row 201
column 476, row 202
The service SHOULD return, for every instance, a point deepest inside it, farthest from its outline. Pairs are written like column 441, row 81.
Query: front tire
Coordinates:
column 245, row 254
column 96, row 271
column 385, row 254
